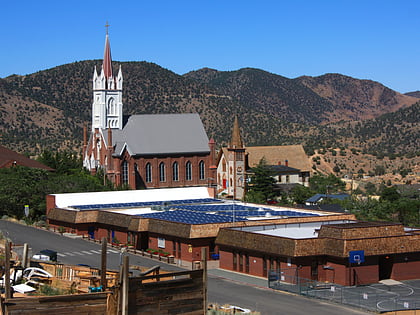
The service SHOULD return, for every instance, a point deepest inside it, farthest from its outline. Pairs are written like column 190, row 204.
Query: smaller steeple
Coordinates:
column 236, row 140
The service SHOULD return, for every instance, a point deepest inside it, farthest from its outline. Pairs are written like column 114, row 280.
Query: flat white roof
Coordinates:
column 293, row 230
column 133, row 211
column 125, row 196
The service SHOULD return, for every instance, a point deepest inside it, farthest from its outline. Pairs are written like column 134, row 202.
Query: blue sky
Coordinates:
column 370, row 39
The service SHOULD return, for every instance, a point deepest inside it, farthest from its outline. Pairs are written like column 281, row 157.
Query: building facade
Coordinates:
column 289, row 163
column 345, row 252
column 143, row 151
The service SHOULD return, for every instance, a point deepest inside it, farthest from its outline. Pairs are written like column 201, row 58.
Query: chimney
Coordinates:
column 286, row 162
column 279, row 163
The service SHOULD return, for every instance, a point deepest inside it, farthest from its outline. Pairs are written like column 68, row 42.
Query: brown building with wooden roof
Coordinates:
column 9, row 158
column 345, row 252
column 290, row 164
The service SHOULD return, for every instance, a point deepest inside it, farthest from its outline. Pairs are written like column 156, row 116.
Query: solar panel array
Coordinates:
column 143, row 204
column 242, row 211
column 198, row 211
column 190, row 217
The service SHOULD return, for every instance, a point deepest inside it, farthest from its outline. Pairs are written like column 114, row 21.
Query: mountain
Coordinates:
column 414, row 94
column 47, row 109
column 355, row 99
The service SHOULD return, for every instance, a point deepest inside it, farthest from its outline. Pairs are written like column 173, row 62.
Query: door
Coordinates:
column 385, row 267
column 91, row 232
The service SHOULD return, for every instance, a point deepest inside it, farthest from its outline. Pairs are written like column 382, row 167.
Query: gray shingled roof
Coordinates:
column 161, row 134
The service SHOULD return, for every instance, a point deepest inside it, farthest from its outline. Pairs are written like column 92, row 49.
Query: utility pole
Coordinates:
column 103, row 263
column 204, row 266
column 8, row 293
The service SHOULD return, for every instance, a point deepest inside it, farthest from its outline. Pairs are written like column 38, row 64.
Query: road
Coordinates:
column 220, row 290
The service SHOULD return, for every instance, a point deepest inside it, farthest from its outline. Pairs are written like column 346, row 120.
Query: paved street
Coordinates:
column 223, row 287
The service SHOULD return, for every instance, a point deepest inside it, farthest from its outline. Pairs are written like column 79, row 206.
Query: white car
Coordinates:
column 236, row 309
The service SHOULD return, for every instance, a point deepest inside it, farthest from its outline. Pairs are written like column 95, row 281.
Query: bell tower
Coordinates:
column 107, row 94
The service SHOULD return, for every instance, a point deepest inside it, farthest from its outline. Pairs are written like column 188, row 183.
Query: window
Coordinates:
column 111, row 106
column 161, row 242
column 148, row 173
column 224, row 165
column 239, row 156
column 287, row 179
column 188, row 171
column 202, row 173
column 175, row 172
column 125, row 172
column 162, row 176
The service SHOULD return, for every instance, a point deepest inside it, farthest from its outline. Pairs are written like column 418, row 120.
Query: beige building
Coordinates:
column 290, row 164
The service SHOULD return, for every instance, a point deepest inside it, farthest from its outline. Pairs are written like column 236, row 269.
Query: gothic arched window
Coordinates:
column 111, row 106
column 188, row 171
column 148, row 173
column 124, row 167
column 202, row 173
column 175, row 172
column 162, row 175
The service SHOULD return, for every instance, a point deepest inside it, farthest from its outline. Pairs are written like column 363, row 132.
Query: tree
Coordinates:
column 20, row 186
column 390, row 194
column 300, row 193
column 261, row 184
column 370, row 188
column 326, row 184
column 379, row 170
column 64, row 162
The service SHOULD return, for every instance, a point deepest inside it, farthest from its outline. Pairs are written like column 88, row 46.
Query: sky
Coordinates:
column 364, row 39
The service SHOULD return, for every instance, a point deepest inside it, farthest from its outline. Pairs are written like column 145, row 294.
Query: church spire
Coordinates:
column 107, row 62
column 236, row 140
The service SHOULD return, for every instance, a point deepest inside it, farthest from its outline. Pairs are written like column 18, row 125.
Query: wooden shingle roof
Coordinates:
column 294, row 154
column 9, row 158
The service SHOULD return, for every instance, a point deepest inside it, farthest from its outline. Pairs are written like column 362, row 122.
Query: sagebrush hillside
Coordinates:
column 47, row 109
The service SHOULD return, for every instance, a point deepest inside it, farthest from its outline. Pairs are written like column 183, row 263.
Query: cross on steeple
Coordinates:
column 107, row 26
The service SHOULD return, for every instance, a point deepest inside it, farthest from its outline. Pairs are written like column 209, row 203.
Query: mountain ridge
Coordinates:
column 272, row 109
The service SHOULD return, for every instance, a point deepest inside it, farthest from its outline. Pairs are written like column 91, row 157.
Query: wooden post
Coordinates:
column 25, row 256
column 124, row 307
column 103, row 263
column 8, row 292
column 204, row 266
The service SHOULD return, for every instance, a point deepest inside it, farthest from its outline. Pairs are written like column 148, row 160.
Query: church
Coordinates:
column 143, row 151
column 289, row 163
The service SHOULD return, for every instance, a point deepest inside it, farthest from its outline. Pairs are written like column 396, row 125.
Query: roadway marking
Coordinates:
column 86, row 252
column 61, row 255
column 112, row 251
column 68, row 254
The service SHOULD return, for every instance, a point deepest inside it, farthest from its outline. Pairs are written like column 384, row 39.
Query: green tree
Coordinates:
column 300, row 193
column 63, row 162
column 20, row 186
column 370, row 188
column 261, row 185
column 390, row 194
column 326, row 184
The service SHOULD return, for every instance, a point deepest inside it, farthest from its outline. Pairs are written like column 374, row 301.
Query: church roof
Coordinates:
column 10, row 158
column 294, row 154
column 161, row 134
column 236, row 140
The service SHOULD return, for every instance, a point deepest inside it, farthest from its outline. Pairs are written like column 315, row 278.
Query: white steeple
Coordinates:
column 107, row 94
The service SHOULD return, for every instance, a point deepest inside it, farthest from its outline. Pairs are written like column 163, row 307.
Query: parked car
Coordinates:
column 46, row 255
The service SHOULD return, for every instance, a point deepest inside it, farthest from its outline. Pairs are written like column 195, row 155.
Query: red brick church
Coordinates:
column 143, row 151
